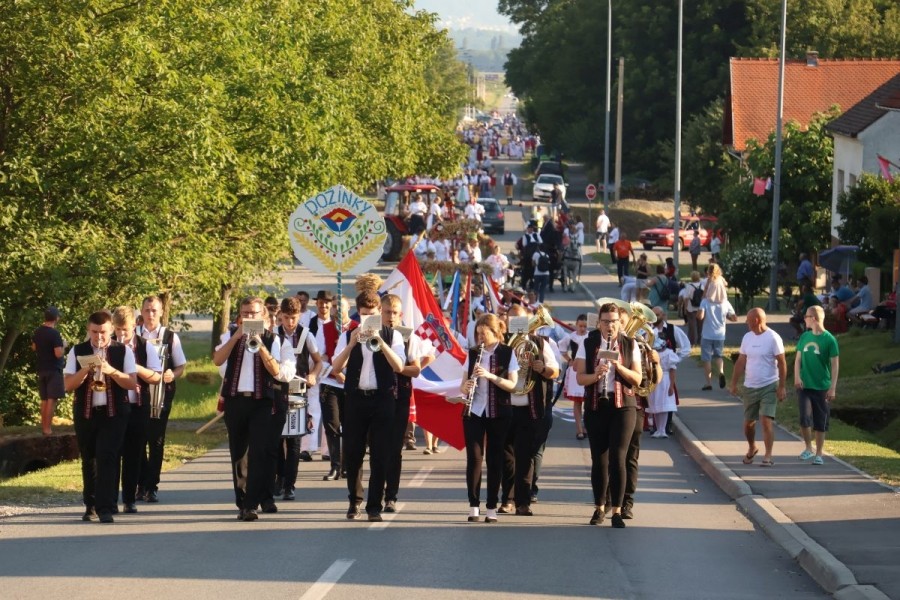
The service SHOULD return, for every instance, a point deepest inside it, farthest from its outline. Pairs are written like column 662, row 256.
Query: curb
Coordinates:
column 820, row 564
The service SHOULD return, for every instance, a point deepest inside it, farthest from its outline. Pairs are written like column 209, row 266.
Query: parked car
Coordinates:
column 492, row 221
column 543, row 185
column 664, row 233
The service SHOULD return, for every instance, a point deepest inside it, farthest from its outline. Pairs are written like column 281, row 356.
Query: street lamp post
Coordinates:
column 677, row 224
column 608, row 104
column 776, row 193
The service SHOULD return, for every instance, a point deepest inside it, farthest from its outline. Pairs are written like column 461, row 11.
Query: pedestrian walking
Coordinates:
column 815, row 377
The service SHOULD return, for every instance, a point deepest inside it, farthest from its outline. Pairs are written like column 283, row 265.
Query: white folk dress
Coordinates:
column 660, row 400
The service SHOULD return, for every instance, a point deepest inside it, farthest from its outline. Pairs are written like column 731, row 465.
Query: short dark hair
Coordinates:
column 368, row 299
column 303, row 293
column 51, row 313
column 290, row 306
column 101, row 317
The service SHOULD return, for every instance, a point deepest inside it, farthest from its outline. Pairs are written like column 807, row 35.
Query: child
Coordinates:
column 662, row 398
column 569, row 346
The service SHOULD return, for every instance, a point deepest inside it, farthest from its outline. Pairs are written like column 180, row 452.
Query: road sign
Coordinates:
column 590, row 191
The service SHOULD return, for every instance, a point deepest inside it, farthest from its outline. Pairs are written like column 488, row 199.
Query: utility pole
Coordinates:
column 776, row 194
column 677, row 225
column 608, row 92
column 620, row 97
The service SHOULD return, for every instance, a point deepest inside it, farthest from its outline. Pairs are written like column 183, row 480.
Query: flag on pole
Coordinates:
column 440, row 379
column 492, row 291
column 885, row 165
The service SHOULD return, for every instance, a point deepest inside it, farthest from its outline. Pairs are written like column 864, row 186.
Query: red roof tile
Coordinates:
column 807, row 90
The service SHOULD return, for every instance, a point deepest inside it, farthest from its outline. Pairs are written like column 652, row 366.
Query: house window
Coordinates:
column 840, row 181
column 852, row 180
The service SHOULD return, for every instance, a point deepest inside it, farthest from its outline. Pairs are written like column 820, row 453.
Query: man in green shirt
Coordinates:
column 815, row 377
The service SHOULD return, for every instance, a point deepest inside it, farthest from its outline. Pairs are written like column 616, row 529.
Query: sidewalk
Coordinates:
column 841, row 526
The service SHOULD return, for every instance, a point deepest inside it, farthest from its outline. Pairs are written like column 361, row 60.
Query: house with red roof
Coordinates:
column 811, row 86
column 867, row 130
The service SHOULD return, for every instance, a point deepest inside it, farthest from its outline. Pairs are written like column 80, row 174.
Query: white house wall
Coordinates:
column 860, row 155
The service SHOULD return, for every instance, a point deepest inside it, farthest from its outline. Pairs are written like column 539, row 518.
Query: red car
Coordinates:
column 664, row 234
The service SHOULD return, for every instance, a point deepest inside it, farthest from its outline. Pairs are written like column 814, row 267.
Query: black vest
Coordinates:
column 167, row 338
column 502, row 357
column 404, row 383
column 592, row 343
column 385, row 377
column 115, row 356
column 140, row 358
column 268, row 382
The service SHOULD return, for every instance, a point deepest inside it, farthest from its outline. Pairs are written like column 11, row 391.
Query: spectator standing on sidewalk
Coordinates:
column 602, row 230
column 714, row 310
column 764, row 369
column 815, row 377
column 624, row 252
column 611, row 238
column 695, row 248
column 48, row 344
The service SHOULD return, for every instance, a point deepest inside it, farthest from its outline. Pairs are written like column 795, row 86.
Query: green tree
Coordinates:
column 870, row 212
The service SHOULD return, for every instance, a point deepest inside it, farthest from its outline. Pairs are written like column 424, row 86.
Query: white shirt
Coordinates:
column 613, row 236
column 602, row 223
column 287, row 367
column 687, row 293
column 305, row 317
column 176, row 351
column 474, row 211
column 367, row 379
column 99, row 398
column 479, row 403
column 534, row 260
column 682, row 343
column 418, row 208
column 320, row 343
column 442, row 250
column 761, row 350
column 153, row 364
column 549, row 359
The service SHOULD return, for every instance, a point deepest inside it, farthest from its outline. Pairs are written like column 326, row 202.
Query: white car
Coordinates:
column 543, row 185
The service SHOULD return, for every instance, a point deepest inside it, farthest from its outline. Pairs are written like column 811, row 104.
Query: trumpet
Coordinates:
column 253, row 345
column 253, row 330
column 98, row 384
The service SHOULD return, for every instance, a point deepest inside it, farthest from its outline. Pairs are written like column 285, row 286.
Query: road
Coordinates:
column 687, row 540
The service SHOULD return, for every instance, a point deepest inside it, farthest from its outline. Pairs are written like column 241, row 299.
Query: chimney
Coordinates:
column 812, row 58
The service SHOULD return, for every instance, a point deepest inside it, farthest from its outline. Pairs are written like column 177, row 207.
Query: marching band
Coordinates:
column 361, row 374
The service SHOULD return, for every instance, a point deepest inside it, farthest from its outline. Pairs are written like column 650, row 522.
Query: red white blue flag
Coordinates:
column 442, row 377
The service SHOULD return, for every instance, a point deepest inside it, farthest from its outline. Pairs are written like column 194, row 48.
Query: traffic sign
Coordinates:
column 591, row 191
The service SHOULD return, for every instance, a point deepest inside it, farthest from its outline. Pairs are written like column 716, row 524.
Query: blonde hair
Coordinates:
column 123, row 316
column 716, row 286
column 818, row 312
column 492, row 322
column 368, row 283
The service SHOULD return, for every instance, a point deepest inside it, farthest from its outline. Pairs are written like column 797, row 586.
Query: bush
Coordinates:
column 747, row 269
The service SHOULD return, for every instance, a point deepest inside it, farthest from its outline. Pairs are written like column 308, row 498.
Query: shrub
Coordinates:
column 747, row 269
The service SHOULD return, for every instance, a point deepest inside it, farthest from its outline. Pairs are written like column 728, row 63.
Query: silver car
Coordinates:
column 543, row 186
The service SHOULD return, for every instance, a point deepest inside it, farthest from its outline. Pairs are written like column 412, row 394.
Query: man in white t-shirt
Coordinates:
column 602, row 230
column 764, row 369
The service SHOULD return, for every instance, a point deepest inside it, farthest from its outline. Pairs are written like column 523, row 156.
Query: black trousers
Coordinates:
column 631, row 459
column 485, row 438
column 274, row 448
column 398, row 439
column 508, row 474
column 288, row 462
column 367, row 417
column 133, row 450
column 538, row 460
column 609, row 432
column 151, row 462
column 332, row 401
column 99, row 443
column 529, row 435
column 249, row 424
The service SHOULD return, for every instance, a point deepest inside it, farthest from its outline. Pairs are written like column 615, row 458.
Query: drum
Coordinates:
column 295, row 422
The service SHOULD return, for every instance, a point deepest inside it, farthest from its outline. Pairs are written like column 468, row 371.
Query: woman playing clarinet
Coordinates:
column 488, row 382
column 604, row 368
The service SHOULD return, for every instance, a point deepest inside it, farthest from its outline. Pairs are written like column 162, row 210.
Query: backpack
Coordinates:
column 543, row 263
column 697, row 296
column 674, row 287
column 663, row 290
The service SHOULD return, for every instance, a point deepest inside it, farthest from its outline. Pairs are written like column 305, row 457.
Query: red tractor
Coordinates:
column 396, row 220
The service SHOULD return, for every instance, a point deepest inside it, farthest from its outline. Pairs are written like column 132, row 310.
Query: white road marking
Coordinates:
column 420, row 477
column 388, row 517
column 330, row 577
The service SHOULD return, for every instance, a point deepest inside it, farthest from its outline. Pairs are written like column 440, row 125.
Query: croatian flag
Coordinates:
column 440, row 379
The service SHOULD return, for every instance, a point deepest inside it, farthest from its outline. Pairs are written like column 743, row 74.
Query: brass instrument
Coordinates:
column 98, row 384
column 369, row 332
column 158, row 390
column 525, row 350
column 642, row 317
column 470, row 397
column 253, row 329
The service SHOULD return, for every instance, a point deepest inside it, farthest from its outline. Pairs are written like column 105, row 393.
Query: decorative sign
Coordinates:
column 590, row 191
column 336, row 231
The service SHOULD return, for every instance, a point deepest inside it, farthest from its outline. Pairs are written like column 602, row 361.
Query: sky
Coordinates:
column 458, row 14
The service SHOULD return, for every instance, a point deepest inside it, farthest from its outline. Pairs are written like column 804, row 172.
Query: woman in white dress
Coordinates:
column 662, row 398
column 569, row 345
column 499, row 266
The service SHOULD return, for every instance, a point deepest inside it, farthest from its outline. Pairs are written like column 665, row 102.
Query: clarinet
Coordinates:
column 603, row 392
column 471, row 395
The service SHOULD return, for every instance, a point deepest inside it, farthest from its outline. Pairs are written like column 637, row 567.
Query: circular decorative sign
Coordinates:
column 336, row 231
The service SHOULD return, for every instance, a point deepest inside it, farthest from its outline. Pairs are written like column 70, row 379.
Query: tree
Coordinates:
column 871, row 217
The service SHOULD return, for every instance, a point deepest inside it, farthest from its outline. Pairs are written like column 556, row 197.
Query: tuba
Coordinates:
column 641, row 318
column 525, row 349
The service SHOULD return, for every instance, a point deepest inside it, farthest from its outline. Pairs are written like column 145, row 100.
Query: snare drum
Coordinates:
column 295, row 422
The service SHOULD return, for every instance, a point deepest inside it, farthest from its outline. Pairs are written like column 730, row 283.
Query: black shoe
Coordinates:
column 152, row 497
column 597, row 517
column 410, row 446
column 106, row 517
column 141, row 495
column 288, row 495
column 326, row 457
column 375, row 517
column 390, row 506
column 626, row 512
column 524, row 511
column 353, row 512
column 130, row 508
column 333, row 475
column 721, row 380
column 268, row 506
column 250, row 515
column 305, row 457
column 240, row 515
column 89, row 514
column 618, row 522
